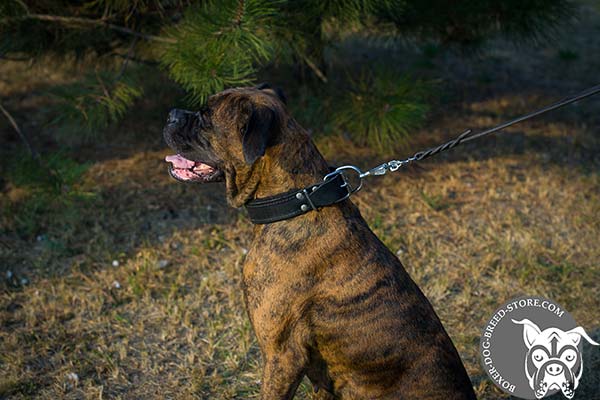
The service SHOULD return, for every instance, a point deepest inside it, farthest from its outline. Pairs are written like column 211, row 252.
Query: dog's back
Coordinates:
column 375, row 328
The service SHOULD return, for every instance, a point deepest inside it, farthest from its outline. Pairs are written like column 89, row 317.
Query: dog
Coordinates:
column 324, row 295
column 553, row 360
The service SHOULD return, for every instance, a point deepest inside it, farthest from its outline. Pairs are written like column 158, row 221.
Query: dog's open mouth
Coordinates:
column 186, row 170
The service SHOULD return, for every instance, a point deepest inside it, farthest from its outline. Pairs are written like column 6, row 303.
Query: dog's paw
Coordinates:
column 567, row 390
column 541, row 390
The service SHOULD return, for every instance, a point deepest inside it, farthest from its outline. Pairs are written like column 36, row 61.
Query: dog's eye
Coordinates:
column 538, row 355
column 569, row 355
column 204, row 115
column 204, row 110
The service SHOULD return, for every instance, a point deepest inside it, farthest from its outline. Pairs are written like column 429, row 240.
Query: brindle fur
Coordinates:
column 325, row 296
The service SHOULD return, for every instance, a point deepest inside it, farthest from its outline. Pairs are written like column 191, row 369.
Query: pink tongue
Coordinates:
column 180, row 162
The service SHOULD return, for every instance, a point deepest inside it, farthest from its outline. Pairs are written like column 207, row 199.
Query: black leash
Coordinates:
column 466, row 135
column 336, row 187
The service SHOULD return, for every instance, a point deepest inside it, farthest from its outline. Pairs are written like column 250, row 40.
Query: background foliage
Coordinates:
column 206, row 46
column 320, row 52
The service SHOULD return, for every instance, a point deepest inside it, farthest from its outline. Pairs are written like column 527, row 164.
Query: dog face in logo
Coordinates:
column 553, row 361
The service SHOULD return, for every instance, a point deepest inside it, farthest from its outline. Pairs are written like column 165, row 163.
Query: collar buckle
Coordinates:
column 340, row 171
column 309, row 200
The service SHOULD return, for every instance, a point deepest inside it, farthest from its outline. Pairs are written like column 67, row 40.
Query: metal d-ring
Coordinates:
column 350, row 189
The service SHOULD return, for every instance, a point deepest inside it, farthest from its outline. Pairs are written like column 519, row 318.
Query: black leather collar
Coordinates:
column 298, row 201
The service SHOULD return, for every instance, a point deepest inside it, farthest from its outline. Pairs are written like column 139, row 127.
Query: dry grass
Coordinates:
column 510, row 215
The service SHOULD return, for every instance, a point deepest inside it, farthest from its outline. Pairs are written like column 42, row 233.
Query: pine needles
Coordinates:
column 94, row 103
column 382, row 108
column 220, row 45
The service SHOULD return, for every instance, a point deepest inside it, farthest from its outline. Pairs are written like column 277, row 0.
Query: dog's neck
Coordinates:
column 292, row 164
column 297, row 166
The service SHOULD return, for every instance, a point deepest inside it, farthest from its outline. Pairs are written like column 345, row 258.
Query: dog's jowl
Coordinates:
column 326, row 298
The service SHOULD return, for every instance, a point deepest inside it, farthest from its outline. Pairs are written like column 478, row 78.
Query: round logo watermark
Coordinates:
column 531, row 348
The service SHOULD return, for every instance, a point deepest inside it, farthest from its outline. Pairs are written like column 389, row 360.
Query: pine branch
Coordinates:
column 127, row 58
column 90, row 22
column 240, row 13
column 19, row 132
column 150, row 63
column 314, row 68
column 10, row 58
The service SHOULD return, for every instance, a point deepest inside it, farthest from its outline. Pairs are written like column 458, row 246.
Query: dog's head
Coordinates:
column 553, row 360
column 227, row 138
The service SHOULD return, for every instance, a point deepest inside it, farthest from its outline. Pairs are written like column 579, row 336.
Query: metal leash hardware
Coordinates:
column 346, row 183
column 394, row 165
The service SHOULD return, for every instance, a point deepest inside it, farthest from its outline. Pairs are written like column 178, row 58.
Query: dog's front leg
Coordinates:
column 277, row 305
column 283, row 344
column 282, row 373
column 322, row 394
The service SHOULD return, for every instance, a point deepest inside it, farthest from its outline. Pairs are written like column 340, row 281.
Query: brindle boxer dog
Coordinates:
column 325, row 296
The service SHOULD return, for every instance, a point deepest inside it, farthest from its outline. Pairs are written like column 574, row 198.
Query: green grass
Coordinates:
column 51, row 194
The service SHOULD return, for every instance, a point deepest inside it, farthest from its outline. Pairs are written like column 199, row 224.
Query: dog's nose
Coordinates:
column 554, row 369
column 177, row 116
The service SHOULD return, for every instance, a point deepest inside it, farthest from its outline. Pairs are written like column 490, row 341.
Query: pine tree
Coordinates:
column 206, row 46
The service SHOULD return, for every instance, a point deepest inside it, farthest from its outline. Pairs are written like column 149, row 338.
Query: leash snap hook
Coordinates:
column 378, row 170
column 390, row 166
column 340, row 171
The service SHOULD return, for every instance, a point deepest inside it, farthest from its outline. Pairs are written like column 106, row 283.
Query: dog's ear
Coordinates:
column 576, row 334
column 278, row 92
column 258, row 132
column 530, row 331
